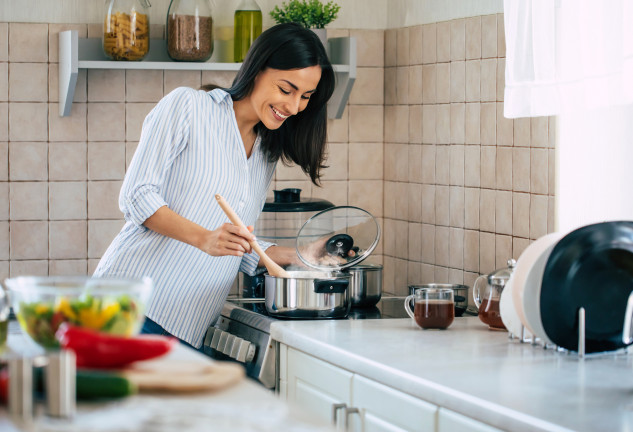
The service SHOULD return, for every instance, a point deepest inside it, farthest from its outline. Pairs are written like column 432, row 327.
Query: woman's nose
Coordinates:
column 294, row 105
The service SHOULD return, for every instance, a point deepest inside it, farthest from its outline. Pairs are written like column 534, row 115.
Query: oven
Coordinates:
column 242, row 333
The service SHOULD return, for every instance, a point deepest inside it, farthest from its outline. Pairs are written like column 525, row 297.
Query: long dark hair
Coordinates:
column 301, row 138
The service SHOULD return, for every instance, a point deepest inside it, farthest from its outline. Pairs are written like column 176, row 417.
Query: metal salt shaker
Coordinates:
column 21, row 388
column 61, row 384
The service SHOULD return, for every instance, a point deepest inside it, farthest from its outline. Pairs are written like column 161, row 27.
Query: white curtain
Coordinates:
column 567, row 55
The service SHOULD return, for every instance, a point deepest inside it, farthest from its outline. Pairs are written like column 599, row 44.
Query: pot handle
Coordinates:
column 330, row 286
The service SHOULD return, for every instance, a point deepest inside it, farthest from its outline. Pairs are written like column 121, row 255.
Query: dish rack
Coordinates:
column 580, row 354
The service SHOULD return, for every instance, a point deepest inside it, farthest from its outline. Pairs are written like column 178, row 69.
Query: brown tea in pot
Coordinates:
column 489, row 313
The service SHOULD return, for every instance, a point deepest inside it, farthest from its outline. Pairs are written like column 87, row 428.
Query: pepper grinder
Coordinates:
column 61, row 384
column 21, row 388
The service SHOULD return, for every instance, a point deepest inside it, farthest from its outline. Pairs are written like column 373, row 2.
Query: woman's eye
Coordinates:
column 305, row 97
column 284, row 91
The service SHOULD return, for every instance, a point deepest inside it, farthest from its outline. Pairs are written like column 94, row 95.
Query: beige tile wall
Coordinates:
column 60, row 176
column 422, row 145
column 464, row 188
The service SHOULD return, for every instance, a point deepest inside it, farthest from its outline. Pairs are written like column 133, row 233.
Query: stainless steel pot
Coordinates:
column 365, row 287
column 308, row 294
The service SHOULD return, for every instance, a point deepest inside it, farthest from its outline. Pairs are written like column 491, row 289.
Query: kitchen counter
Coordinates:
column 477, row 372
column 243, row 406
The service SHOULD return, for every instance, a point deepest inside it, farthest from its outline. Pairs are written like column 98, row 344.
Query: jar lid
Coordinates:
column 500, row 276
column 289, row 200
column 337, row 238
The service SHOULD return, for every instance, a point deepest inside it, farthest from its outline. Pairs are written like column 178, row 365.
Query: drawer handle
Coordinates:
column 335, row 408
column 348, row 411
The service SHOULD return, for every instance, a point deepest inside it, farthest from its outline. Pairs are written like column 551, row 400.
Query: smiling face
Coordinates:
column 279, row 94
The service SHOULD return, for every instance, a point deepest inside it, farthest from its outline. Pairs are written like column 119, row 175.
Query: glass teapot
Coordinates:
column 487, row 293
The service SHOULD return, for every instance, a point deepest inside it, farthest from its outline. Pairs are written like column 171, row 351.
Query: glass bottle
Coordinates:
column 248, row 26
column 189, row 30
column 126, row 29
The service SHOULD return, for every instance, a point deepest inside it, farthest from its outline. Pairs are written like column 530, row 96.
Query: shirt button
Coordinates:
column 241, row 204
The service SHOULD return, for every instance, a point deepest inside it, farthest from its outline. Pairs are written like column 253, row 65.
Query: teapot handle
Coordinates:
column 477, row 291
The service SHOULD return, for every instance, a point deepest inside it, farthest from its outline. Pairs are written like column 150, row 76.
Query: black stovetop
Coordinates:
column 387, row 307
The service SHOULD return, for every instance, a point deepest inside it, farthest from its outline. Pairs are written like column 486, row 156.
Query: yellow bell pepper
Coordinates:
column 63, row 306
column 109, row 311
column 41, row 309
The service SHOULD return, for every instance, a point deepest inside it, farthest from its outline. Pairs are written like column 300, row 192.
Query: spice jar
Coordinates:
column 126, row 29
column 248, row 26
column 189, row 30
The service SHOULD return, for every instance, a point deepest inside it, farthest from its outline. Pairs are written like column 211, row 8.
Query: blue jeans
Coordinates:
column 151, row 327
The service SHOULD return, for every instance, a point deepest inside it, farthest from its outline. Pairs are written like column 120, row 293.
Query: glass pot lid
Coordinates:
column 337, row 238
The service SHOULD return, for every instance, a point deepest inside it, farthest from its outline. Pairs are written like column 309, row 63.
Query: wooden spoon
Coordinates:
column 273, row 268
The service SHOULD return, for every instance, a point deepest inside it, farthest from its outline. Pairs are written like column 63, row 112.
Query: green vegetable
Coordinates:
column 102, row 385
column 90, row 385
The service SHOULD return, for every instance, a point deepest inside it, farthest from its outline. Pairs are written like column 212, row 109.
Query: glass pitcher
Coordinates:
column 487, row 293
column 126, row 29
column 189, row 30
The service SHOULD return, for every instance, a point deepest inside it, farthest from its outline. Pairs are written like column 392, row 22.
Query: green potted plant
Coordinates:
column 311, row 14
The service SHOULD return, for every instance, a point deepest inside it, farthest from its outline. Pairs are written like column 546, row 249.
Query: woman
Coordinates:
column 195, row 144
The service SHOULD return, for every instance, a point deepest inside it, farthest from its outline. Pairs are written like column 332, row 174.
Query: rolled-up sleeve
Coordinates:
column 250, row 261
column 164, row 136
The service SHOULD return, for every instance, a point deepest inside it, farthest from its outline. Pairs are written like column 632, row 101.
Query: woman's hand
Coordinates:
column 228, row 239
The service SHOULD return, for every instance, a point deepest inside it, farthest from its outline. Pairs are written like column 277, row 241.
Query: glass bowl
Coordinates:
column 110, row 305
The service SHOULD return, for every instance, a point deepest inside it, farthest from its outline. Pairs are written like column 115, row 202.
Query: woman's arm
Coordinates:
column 283, row 256
column 228, row 239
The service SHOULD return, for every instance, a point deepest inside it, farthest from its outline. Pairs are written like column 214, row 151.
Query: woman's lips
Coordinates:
column 279, row 116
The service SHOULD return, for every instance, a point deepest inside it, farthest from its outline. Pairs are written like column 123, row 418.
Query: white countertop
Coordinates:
column 245, row 406
column 477, row 372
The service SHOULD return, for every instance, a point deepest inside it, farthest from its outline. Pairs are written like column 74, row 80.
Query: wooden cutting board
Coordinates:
column 181, row 376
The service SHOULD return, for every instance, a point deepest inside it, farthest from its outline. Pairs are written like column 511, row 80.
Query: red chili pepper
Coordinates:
column 101, row 350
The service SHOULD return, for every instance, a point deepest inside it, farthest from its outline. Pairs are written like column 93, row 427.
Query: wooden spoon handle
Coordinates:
column 273, row 268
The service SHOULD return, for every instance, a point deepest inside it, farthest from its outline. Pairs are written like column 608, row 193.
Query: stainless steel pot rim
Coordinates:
column 310, row 274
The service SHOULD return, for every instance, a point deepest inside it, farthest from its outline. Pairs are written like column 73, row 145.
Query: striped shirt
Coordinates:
column 190, row 149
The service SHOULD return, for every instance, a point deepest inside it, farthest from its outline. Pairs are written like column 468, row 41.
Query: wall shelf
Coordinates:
column 86, row 53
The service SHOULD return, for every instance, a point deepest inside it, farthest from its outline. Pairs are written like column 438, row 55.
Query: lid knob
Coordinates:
column 288, row 195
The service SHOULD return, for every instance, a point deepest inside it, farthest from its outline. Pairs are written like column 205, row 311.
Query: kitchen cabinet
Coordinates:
column 449, row 421
column 354, row 402
column 86, row 53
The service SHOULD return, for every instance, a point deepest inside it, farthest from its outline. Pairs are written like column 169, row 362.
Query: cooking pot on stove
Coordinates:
column 281, row 219
column 328, row 243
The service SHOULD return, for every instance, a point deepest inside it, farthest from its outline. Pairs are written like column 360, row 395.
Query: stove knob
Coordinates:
column 215, row 339
column 222, row 341
column 246, row 352
column 228, row 344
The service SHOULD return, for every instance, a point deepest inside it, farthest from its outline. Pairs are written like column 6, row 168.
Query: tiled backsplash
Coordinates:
column 465, row 189
column 422, row 145
column 60, row 176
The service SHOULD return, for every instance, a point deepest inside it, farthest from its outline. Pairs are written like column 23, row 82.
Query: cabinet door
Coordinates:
column 449, row 421
column 316, row 385
column 383, row 408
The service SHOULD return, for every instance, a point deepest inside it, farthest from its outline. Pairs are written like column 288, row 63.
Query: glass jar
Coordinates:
column 248, row 26
column 126, row 29
column 189, row 30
